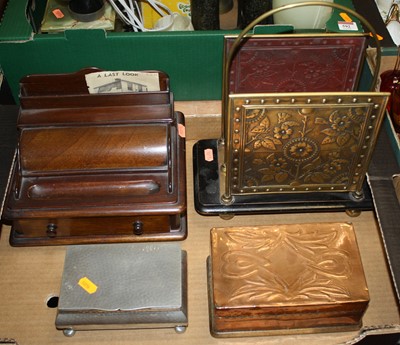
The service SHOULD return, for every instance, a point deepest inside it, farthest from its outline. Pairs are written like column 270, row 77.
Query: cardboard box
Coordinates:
column 394, row 138
column 193, row 60
column 369, row 9
column 31, row 276
column 150, row 15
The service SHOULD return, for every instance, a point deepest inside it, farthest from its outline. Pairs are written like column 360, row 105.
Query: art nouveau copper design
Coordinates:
column 286, row 276
column 299, row 143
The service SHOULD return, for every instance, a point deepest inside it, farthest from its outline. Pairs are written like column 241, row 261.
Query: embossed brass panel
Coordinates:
column 295, row 135
column 286, row 278
column 289, row 143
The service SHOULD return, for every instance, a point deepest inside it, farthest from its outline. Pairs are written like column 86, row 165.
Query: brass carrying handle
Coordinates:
column 243, row 33
column 227, row 198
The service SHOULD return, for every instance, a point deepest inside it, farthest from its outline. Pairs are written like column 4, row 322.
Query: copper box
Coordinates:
column 298, row 278
column 96, row 168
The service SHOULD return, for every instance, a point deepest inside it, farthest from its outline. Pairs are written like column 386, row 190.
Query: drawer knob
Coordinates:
column 51, row 230
column 137, row 227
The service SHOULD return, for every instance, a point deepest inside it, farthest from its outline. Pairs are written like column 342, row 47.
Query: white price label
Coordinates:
column 348, row 26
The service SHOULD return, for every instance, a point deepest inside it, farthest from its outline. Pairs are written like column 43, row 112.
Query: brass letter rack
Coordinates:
column 295, row 135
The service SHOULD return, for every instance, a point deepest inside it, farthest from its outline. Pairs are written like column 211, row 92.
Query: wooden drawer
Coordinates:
column 98, row 229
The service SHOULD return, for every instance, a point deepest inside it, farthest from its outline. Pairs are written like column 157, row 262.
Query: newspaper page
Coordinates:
column 122, row 81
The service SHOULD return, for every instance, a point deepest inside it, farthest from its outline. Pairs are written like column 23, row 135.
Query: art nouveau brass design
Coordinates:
column 286, row 276
column 292, row 140
column 235, row 46
column 285, row 143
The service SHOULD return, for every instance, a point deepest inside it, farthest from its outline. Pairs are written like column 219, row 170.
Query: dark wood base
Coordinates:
column 207, row 194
